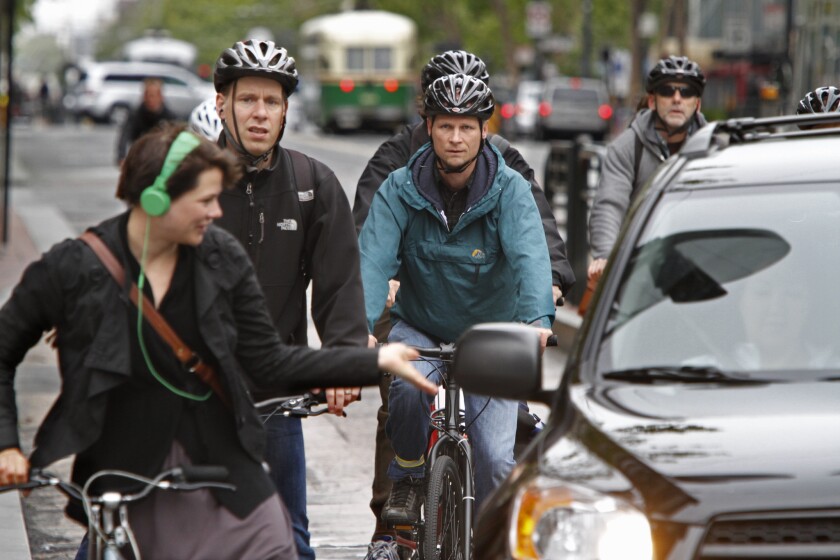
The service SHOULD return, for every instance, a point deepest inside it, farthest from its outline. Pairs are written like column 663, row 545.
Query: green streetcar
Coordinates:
column 364, row 65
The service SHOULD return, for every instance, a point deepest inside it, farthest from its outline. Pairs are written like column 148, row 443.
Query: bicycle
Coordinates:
column 110, row 536
column 444, row 531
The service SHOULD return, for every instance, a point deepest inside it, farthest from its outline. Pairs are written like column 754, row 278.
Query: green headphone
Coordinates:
column 154, row 199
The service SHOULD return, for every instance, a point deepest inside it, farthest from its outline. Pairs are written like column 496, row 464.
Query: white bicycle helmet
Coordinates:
column 821, row 100
column 205, row 120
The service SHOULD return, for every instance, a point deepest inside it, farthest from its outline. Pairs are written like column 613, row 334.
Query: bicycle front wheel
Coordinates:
column 444, row 519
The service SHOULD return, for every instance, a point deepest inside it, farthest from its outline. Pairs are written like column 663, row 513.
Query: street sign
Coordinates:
column 538, row 19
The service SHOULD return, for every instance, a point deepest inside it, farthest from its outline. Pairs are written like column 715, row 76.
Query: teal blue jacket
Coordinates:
column 493, row 265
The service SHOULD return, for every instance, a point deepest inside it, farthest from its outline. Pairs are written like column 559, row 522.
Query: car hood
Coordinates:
column 687, row 452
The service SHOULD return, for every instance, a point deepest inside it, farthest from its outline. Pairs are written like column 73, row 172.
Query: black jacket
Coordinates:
column 139, row 122
column 395, row 153
column 69, row 289
column 295, row 233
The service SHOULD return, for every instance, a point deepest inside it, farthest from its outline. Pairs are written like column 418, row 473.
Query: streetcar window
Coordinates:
column 355, row 58
column 382, row 58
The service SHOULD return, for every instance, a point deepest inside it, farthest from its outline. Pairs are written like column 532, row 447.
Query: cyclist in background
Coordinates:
column 393, row 154
column 674, row 87
column 151, row 113
column 204, row 120
column 461, row 231
column 292, row 216
column 126, row 401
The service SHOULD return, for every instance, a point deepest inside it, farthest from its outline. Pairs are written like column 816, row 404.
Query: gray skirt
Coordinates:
column 181, row 525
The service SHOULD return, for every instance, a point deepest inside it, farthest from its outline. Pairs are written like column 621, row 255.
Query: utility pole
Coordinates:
column 586, row 54
column 637, row 8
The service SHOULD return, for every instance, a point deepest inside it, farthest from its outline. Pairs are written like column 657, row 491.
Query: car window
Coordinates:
column 741, row 296
column 576, row 96
column 171, row 80
column 124, row 78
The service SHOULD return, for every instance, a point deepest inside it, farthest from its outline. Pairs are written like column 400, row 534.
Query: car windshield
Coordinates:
column 739, row 280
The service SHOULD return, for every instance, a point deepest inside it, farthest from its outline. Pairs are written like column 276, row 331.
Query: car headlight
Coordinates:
column 552, row 519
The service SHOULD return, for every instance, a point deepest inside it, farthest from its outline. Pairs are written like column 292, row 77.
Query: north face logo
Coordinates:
column 287, row 225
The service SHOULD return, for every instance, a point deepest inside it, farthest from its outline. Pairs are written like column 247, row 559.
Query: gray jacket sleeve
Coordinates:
column 612, row 199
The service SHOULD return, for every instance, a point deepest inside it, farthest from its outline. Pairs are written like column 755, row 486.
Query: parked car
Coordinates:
column 108, row 91
column 528, row 95
column 697, row 416
column 574, row 106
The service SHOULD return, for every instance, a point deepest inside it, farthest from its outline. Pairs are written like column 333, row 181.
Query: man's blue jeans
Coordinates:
column 491, row 423
column 286, row 457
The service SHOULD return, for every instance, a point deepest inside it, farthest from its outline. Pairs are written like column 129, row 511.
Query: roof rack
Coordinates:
column 750, row 129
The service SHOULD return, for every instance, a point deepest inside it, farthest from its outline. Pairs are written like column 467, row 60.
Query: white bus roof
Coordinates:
column 363, row 26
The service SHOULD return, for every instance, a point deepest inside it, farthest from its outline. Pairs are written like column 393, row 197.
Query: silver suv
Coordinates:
column 108, row 91
column 574, row 106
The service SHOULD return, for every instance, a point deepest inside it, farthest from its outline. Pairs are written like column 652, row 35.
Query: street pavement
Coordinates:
column 339, row 450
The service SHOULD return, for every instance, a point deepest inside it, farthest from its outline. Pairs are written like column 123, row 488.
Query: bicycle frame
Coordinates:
column 452, row 442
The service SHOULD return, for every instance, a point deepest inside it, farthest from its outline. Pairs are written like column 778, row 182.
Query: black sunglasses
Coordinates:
column 668, row 91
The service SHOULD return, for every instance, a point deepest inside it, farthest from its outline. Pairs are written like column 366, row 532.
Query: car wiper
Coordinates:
column 680, row 374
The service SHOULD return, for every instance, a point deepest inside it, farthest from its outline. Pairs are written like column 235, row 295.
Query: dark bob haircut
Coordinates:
column 145, row 159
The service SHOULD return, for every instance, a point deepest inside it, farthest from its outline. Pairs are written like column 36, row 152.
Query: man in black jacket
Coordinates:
column 394, row 154
column 151, row 112
column 293, row 217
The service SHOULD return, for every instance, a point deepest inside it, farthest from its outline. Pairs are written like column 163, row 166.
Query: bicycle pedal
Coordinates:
column 406, row 542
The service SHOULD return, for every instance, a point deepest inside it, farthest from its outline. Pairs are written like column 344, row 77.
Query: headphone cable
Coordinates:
column 146, row 356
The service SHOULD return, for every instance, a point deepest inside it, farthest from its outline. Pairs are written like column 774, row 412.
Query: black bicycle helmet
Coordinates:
column 461, row 95
column 676, row 69
column 821, row 100
column 453, row 62
column 256, row 58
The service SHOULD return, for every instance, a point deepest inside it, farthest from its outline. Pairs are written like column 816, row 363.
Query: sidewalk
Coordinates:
column 14, row 257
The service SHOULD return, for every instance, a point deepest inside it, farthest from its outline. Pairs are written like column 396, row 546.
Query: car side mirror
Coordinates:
column 500, row 360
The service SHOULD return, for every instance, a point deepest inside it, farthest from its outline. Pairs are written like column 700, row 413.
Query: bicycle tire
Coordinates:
column 443, row 512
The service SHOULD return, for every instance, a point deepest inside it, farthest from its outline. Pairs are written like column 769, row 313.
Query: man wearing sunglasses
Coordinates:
column 674, row 87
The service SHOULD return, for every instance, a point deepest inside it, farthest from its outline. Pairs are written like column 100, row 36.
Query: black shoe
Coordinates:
column 403, row 505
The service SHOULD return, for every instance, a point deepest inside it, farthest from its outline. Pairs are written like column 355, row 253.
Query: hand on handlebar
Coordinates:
column 14, row 467
column 545, row 335
column 339, row 397
column 395, row 358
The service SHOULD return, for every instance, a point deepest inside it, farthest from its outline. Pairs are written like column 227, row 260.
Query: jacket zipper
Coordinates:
column 262, row 227
column 250, row 192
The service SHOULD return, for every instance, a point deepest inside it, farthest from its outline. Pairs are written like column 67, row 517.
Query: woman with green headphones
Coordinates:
column 127, row 400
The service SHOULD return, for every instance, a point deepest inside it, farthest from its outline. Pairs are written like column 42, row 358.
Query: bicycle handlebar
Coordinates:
column 297, row 406
column 186, row 477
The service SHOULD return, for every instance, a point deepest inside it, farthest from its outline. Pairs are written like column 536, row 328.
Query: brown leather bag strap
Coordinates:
column 189, row 360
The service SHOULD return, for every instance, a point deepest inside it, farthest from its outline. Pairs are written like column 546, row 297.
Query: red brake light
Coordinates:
column 346, row 85
column 391, row 85
column 574, row 83
column 507, row 110
column 545, row 109
column 605, row 111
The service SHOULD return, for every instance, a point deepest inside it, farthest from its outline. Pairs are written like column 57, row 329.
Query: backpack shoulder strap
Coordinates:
column 500, row 142
column 638, row 150
column 303, row 178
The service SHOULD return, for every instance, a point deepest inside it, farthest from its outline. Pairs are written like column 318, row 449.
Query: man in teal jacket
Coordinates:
column 462, row 232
